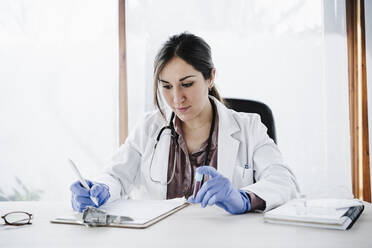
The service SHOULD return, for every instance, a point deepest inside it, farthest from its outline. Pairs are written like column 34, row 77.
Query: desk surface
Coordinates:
column 192, row 226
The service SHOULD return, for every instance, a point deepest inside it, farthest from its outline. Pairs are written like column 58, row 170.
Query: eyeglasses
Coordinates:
column 17, row 218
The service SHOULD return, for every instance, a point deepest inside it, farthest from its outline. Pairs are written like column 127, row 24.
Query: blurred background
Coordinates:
column 59, row 81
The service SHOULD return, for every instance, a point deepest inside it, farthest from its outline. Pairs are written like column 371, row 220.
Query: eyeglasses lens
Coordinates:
column 18, row 218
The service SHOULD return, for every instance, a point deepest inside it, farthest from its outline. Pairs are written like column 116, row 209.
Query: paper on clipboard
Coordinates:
column 143, row 212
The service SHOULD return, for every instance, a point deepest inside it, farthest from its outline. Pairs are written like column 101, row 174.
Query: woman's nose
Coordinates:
column 178, row 96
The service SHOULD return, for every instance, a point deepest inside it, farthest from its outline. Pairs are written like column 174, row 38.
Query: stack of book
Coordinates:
column 325, row 213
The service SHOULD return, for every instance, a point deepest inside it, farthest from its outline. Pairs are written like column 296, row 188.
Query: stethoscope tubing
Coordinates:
column 174, row 136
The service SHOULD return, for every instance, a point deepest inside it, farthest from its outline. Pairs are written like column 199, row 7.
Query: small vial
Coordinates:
column 198, row 182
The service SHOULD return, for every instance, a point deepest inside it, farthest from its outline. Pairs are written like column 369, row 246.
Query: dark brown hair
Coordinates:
column 192, row 49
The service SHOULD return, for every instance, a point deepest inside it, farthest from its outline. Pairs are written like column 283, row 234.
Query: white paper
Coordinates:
column 142, row 211
column 333, row 203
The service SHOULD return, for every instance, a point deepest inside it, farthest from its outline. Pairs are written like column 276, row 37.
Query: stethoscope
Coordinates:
column 174, row 136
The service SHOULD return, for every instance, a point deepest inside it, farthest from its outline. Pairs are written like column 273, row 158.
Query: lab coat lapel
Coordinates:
column 227, row 145
column 162, row 156
column 160, row 172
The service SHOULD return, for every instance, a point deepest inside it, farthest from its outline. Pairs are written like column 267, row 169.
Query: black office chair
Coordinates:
column 250, row 106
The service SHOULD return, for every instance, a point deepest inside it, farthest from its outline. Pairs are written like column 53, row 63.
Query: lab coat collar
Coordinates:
column 227, row 144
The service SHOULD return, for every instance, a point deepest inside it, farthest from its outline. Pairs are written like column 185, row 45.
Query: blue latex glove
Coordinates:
column 218, row 190
column 80, row 197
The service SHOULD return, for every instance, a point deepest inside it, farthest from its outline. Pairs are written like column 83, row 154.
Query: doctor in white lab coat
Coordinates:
column 250, row 173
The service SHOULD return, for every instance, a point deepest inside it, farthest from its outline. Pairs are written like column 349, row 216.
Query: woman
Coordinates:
column 194, row 132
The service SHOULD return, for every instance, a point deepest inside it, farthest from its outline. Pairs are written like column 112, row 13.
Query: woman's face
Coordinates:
column 184, row 89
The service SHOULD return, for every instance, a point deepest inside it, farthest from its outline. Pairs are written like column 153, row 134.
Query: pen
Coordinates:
column 82, row 180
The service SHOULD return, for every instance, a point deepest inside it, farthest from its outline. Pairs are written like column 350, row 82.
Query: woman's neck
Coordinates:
column 204, row 119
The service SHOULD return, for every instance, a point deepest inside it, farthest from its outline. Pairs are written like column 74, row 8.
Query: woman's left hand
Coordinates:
column 218, row 190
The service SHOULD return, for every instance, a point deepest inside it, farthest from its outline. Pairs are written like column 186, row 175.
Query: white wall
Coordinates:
column 291, row 55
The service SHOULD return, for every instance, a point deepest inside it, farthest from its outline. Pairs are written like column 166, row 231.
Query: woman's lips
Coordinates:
column 182, row 110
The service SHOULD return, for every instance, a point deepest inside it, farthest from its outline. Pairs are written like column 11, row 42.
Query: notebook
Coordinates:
column 324, row 213
column 143, row 213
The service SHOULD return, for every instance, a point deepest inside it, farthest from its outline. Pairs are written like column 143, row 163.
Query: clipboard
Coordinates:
column 161, row 211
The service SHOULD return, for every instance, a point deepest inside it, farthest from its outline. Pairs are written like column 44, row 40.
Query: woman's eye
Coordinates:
column 186, row 85
column 167, row 86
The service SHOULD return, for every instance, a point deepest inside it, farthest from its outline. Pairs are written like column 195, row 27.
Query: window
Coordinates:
column 58, row 94
column 292, row 55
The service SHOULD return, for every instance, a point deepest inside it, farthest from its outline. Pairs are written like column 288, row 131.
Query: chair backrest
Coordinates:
column 250, row 106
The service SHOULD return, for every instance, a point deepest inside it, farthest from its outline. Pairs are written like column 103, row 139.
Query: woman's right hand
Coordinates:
column 80, row 198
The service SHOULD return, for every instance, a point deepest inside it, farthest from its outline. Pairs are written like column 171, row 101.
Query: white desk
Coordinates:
column 190, row 227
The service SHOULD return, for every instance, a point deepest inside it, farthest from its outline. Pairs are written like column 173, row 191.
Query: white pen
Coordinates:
column 82, row 180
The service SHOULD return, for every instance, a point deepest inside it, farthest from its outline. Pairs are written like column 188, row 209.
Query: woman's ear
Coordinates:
column 211, row 79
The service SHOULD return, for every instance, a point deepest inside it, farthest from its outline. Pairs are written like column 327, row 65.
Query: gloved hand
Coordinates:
column 218, row 190
column 80, row 197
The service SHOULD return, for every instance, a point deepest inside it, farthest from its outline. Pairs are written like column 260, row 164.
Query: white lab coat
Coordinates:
column 242, row 140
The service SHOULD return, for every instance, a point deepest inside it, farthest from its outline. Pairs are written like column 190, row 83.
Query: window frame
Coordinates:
column 123, row 86
column 358, row 102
